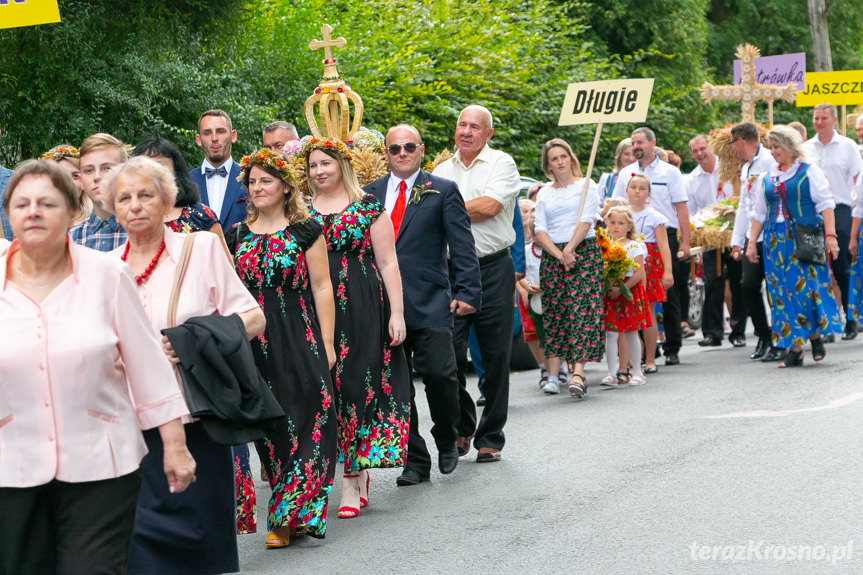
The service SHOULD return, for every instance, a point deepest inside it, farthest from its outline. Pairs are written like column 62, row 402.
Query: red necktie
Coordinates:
column 399, row 209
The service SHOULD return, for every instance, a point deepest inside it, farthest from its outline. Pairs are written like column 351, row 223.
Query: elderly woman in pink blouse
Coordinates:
column 81, row 373
column 193, row 533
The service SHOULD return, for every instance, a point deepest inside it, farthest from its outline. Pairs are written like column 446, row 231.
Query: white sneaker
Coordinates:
column 614, row 382
column 551, row 386
column 608, row 381
column 638, row 380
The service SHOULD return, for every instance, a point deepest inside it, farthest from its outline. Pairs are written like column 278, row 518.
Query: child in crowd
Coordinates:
column 528, row 288
column 657, row 263
column 621, row 315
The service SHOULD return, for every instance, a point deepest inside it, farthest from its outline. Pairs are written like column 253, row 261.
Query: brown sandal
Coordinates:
column 577, row 389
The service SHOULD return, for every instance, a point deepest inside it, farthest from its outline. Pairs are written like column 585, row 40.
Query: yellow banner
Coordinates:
column 17, row 13
column 607, row 101
column 837, row 88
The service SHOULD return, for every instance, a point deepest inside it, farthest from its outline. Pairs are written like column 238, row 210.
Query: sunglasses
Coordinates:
column 410, row 148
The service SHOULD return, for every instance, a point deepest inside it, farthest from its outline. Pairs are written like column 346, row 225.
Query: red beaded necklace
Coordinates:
column 149, row 269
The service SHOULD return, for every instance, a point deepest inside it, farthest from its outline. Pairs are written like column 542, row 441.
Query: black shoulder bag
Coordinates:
column 809, row 244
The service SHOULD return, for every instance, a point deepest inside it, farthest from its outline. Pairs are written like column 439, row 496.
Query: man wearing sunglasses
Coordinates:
column 489, row 182
column 429, row 218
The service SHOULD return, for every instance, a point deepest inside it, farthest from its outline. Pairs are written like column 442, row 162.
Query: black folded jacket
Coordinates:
column 222, row 384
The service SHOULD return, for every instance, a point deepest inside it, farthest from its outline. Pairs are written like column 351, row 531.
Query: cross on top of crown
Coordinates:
column 327, row 43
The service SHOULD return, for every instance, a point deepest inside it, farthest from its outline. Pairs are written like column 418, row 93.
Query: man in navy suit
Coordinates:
column 429, row 217
column 216, row 177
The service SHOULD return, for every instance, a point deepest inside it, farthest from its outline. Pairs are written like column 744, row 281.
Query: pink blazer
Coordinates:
column 210, row 286
column 80, row 375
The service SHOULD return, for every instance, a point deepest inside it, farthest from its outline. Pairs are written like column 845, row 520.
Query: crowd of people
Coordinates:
column 275, row 301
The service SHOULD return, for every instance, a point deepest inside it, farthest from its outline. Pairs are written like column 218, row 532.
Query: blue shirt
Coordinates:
column 517, row 249
column 99, row 234
column 5, row 174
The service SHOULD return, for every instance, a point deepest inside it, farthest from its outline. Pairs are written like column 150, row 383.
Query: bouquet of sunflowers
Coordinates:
column 615, row 263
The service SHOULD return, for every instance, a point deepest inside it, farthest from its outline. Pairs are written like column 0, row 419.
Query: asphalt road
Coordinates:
column 717, row 465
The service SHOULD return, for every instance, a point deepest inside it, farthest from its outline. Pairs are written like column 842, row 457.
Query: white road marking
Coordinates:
column 836, row 403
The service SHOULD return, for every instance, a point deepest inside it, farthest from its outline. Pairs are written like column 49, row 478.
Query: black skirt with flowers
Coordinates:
column 572, row 305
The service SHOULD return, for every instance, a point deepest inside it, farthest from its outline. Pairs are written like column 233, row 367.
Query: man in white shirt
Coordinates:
column 668, row 197
column 489, row 182
column 839, row 159
column 858, row 128
column 746, row 142
column 704, row 189
column 216, row 177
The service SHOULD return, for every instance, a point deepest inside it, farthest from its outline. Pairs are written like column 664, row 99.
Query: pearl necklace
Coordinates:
column 149, row 269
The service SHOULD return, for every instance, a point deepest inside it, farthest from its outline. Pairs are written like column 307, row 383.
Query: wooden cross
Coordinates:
column 749, row 91
column 327, row 44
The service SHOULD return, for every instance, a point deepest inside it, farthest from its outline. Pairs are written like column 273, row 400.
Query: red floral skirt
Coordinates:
column 527, row 325
column 654, row 270
column 622, row 315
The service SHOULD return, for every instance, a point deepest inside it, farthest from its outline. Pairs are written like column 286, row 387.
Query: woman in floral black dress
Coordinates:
column 281, row 257
column 371, row 375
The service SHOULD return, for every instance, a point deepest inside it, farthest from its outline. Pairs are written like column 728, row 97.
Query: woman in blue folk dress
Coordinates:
column 803, row 304
column 855, row 281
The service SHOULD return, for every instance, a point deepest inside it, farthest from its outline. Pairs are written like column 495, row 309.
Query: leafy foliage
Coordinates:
column 132, row 68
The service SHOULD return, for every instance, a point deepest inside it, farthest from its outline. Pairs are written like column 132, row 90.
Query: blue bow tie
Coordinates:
column 220, row 171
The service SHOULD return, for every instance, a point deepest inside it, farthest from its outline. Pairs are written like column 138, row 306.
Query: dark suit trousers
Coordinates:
column 671, row 314
column 493, row 325
column 753, row 300
column 430, row 353
column 68, row 528
column 841, row 266
column 714, row 295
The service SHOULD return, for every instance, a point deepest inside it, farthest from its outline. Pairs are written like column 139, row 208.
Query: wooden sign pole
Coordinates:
column 844, row 119
column 587, row 174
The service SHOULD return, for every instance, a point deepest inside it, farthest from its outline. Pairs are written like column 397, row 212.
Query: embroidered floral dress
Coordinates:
column 200, row 218
column 300, row 455
column 370, row 378
column 194, row 218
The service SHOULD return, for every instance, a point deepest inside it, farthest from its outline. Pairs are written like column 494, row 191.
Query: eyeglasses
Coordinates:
column 410, row 148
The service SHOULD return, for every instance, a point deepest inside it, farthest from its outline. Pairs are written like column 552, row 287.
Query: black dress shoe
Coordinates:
column 850, row 330
column 671, row 358
column 775, row 354
column 760, row 349
column 480, row 401
column 447, row 460
column 410, row 477
column 737, row 340
column 710, row 341
column 829, row 338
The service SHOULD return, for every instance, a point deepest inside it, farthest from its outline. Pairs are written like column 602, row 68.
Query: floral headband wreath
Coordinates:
column 328, row 144
column 60, row 153
column 267, row 157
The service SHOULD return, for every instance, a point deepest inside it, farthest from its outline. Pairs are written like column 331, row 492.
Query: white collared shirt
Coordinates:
column 217, row 185
column 703, row 188
column 841, row 163
column 751, row 185
column 556, row 209
column 666, row 187
column 819, row 190
column 492, row 174
column 646, row 221
column 393, row 190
